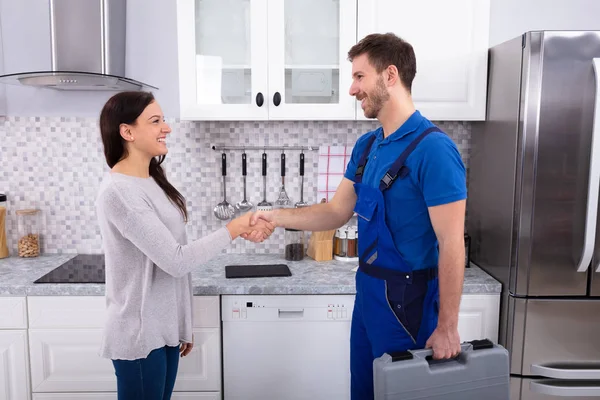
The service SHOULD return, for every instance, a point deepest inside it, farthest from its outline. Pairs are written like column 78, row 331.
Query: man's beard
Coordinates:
column 376, row 100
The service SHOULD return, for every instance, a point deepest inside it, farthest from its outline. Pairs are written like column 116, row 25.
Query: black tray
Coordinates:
column 257, row 271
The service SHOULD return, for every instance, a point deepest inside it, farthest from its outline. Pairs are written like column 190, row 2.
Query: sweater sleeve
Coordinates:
column 139, row 223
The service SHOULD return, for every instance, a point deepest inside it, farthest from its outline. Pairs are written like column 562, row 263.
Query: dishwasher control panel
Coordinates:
column 287, row 307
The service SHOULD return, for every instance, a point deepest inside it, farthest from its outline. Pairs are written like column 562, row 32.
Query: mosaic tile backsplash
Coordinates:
column 56, row 165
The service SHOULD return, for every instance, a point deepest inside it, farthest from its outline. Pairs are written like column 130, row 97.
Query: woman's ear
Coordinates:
column 125, row 131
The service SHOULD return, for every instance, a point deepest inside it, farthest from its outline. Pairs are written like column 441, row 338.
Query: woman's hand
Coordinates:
column 185, row 348
column 241, row 226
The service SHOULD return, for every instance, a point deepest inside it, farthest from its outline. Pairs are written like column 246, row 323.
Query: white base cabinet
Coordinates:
column 14, row 365
column 14, row 355
column 59, row 354
column 113, row 396
column 479, row 317
column 65, row 336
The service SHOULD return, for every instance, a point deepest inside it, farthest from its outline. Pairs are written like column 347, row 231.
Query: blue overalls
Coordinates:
column 396, row 308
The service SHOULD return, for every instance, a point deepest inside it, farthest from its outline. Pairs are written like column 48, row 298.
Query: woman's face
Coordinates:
column 149, row 133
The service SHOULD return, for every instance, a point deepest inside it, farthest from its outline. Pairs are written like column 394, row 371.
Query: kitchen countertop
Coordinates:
column 308, row 277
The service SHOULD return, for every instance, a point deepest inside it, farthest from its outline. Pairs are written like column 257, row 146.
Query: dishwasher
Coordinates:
column 286, row 347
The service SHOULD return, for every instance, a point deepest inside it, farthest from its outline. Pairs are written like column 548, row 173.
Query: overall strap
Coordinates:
column 398, row 168
column 363, row 160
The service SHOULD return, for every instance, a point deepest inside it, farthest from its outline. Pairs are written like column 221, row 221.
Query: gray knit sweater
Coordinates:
column 148, row 263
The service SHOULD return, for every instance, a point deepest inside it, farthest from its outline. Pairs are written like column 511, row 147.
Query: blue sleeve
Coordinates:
column 441, row 175
column 357, row 151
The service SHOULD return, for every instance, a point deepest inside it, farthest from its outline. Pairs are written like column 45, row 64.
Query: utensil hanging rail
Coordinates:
column 264, row 148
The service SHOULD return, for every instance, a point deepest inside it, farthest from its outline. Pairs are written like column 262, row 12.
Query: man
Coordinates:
column 406, row 182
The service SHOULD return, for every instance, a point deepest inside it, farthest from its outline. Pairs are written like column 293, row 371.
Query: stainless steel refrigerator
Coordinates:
column 534, row 176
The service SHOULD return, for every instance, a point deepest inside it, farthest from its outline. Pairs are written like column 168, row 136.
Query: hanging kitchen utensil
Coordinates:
column 224, row 210
column 264, row 205
column 283, row 200
column 301, row 203
column 244, row 205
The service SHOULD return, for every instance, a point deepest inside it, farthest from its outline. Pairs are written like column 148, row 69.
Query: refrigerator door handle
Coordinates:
column 593, row 183
column 565, row 389
column 567, row 371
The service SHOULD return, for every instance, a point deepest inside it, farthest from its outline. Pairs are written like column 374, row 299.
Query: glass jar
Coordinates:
column 341, row 243
column 294, row 244
column 28, row 229
column 3, row 218
column 352, row 250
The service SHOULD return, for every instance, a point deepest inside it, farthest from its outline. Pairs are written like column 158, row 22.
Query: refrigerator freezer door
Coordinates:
column 555, row 338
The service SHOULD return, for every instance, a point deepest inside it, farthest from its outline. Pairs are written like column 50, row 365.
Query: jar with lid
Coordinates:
column 294, row 244
column 28, row 229
column 352, row 249
column 3, row 218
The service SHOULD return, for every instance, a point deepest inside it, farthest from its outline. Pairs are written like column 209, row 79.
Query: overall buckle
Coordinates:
column 388, row 179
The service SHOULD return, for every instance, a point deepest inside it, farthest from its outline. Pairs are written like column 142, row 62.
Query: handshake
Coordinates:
column 253, row 226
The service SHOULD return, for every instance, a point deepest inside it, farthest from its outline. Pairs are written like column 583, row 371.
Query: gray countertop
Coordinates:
column 308, row 277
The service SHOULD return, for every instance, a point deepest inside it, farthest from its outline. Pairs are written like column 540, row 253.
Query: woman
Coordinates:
column 148, row 260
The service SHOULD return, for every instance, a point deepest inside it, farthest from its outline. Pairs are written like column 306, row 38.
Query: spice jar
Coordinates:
column 352, row 252
column 28, row 228
column 3, row 217
column 294, row 244
column 340, row 243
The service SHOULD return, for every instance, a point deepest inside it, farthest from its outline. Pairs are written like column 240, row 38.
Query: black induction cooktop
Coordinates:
column 83, row 268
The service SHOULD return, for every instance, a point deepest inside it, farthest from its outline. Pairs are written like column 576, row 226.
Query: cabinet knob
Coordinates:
column 277, row 99
column 259, row 99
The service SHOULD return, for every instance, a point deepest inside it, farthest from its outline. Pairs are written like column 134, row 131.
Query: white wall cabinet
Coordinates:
column 450, row 40
column 14, row 357
column 65, row 336
column 265, row 59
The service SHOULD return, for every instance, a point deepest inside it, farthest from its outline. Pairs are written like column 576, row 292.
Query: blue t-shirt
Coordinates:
column 437, row 176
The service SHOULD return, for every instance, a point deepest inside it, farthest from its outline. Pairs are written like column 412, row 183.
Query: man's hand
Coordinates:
column 445, row 343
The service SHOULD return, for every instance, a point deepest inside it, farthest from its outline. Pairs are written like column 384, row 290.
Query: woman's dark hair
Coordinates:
column 125, row 108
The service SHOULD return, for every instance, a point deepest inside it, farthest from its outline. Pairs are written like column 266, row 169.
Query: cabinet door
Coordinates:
column 67, row 360
column 201, row 369
column 222, row 59
column 478, row 317
column 450, row 39
column 14, row 377
column 308, row 67
column 113, row 396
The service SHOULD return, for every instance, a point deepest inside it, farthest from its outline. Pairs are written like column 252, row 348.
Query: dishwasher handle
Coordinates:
column 291, row 313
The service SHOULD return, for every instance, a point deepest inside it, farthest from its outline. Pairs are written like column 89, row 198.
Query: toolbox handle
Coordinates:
column 427, row 354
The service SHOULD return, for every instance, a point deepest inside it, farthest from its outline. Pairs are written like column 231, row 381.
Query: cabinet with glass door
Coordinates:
column 265, row 59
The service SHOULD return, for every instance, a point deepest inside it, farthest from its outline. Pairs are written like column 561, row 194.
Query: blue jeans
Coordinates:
column 150, row 378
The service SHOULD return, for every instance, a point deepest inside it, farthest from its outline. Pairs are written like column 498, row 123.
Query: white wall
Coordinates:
column 511, row 18
column 151, row 58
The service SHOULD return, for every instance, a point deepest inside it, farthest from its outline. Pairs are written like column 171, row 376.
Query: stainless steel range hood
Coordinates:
column 87, row 48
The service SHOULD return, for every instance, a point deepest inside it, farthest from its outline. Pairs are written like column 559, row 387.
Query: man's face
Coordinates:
column 368, row 86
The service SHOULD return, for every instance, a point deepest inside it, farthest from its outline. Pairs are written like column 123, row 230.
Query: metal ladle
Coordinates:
column 224, row 210
column 244, row 205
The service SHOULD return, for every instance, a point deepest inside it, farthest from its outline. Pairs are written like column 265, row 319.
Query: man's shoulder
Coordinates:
column 365, row 138
column 435, row 143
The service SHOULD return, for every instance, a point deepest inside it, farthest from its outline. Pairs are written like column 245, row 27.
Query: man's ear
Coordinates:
column 392, row 75
column 125, row 131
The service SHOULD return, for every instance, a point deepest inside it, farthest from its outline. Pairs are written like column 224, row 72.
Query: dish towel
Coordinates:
column 332, row 165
